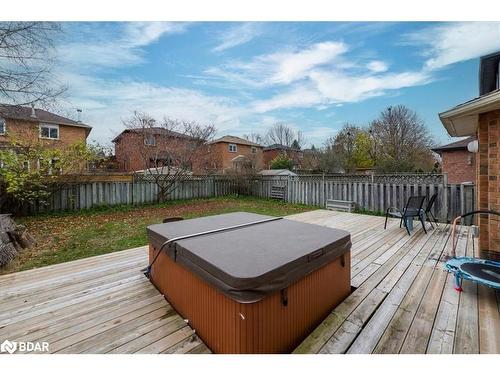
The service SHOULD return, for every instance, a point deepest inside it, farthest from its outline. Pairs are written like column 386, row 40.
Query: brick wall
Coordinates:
column 459, row 165
column 68, row 135
column 132, row 154
column 488, row 173
column 225, row 157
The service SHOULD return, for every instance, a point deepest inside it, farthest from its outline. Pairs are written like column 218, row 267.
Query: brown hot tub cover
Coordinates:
column 250, row 262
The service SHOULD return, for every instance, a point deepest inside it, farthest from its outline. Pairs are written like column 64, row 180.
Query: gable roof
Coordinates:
column 152, row 131
column 458, row 145
column 236, row 140
column 24, row 113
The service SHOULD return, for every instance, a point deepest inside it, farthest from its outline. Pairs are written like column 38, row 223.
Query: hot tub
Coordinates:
column 250, row 283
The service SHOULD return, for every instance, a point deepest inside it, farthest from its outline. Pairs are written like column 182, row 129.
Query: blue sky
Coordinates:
column 244, row 77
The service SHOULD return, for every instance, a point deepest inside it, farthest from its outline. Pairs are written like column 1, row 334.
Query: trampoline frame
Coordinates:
column 453, row 264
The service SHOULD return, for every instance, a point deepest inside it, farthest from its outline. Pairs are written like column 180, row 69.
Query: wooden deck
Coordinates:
column 404, row 301
column 102, row 304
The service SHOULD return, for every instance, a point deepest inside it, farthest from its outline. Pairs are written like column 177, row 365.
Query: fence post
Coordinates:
column 323, row 200
column 445, row 197
column 372, row 194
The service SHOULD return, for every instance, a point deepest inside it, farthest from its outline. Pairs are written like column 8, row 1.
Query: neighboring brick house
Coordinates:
column 457, row 162
column 270, row 152
column 23, row 123
column 139, row 149
column 229, row 153
column 480, row 118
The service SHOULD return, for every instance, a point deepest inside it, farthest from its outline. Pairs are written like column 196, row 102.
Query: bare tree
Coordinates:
column 401, row 141
column 27, row 55
column 282, row 134
column 170, row 149
column 254, row 137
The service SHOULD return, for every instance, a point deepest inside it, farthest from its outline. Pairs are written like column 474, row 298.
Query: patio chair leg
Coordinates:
column 406, row 226
column 400, row 222
column 386, row 217
column 427, row 219
column 433, row 218
column 423, row 222
column 458, row 283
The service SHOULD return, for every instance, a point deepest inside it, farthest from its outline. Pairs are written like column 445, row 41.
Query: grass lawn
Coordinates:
column 68, row 236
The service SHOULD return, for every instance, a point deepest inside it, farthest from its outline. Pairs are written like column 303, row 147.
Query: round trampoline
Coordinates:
column 481, row 271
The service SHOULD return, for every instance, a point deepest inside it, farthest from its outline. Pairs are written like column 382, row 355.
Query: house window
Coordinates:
column 150, row 141
column 49, row 131
column 3, row 126
column 254, row 150
column 232, row 147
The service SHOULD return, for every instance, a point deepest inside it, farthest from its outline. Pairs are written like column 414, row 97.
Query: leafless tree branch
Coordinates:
column 27, row 58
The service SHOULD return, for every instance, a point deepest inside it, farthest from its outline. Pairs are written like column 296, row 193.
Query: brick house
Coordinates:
column 457, row 161
column 17, row 122
column 270, row 152
column 480, row 118
column 230, row 153
column 139, row 149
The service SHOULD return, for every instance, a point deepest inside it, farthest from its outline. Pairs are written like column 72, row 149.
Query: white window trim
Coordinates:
column 235, row 147
column 50, row 126
column 4, row 126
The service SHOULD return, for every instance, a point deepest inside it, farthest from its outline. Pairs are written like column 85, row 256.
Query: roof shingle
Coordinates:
column 237, row 140
column 24, row 113
column 458, row 145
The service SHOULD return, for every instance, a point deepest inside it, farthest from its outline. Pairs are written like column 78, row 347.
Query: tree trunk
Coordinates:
column 13, row 239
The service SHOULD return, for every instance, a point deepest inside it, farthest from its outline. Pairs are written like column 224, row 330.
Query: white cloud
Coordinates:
column 145, row 33
column 297, row 97
column 282, row 67
column 107, row 102
column 450, row 43
column 377, row 66
column 318, row 76
column 338, row 87
column 238, row 35
column 120, row 46
column 329, row 87
column 293, row 66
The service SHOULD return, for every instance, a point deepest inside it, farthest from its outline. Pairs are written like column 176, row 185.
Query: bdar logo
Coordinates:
column 8, row 346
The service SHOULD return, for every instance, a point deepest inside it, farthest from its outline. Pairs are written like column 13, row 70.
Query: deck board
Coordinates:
column 94, row 305
column 404, row 302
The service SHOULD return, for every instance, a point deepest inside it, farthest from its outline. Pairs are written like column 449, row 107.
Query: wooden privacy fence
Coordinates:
column 85, row 195
column 372, row 193
column 369, row 192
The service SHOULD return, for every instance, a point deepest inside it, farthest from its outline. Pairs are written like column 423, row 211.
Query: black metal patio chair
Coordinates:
column 413, row 209
column 428, row 210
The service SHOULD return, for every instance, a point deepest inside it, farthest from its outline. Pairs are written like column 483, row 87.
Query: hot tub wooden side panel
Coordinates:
column 227, row 326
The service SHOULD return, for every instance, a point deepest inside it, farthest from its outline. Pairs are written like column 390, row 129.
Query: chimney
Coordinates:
column 33, row 114
column 79, row 116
